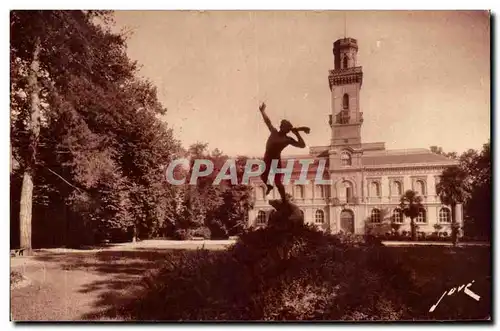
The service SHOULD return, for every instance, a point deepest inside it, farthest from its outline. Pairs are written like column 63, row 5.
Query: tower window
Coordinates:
column 345, row 159
column 345, row 61
column 345, row 101
column 348, row 190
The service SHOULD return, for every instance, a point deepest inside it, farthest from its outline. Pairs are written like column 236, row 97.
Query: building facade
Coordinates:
column 362, row 182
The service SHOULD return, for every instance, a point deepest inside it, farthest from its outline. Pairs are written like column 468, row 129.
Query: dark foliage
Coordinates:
column 303, row 274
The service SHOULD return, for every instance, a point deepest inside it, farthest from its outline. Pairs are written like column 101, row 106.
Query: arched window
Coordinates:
column 320, row 191
column 397, row 215
column 301, row 213
column 345, row 159
column 375, row 189
column 346, row 61
column 348, row 190
column 420, row 187
column 421, row 218
column 397, row 188
column 261, row 217
column 345, row 101
column 300, row 191
column 375, row 216
column 444, row 215
column 319, row 216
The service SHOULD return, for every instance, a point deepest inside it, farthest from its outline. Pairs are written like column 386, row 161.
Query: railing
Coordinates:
column 344, row 117
column 344, row 71
column 345, row 201
column 352, row 200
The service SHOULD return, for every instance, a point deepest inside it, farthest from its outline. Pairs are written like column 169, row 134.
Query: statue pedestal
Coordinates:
column 286, row 215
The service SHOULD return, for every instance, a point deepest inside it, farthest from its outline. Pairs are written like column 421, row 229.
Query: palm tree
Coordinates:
column 411, row 204
column 452, row 190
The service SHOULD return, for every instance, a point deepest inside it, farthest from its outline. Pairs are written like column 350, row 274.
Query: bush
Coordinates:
column 299, row 274
column 203, row 232
column 182, row 234
column 433, row 236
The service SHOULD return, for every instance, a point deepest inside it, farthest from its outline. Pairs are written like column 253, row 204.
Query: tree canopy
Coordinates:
column 89, row 133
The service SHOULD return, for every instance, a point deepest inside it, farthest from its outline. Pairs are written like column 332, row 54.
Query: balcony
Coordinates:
column 343, row 117
column 346, row 117
column 345, row 201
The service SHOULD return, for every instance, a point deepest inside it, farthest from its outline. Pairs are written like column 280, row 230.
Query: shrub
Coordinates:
column 270, row 274
column 203, row 232
column 433, row 236
column 437, row 227
column 182, row 234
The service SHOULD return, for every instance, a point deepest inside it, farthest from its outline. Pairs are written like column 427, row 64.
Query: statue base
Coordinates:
column 286, row 215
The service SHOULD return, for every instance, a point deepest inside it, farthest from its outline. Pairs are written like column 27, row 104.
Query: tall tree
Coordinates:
column 478, row 206
column 439, row 150
column 102, row 148
column 47, row 47
column 452, row 190
column 411, row 204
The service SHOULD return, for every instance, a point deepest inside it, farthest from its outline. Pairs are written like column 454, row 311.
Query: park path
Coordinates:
column 52, row 292
column 68, row 285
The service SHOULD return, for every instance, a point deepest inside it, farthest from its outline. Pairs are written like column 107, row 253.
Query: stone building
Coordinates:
column 363, row 182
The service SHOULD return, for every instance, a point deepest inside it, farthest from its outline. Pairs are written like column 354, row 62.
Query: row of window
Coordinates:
column 375, row 217
column 320, row 191
column 397, row 215
column 319, row 216
column 396, row 188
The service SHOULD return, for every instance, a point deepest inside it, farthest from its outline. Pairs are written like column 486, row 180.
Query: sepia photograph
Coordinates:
column 250, row 166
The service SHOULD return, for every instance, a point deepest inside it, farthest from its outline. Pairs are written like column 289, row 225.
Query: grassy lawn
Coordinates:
column 97, row 285
column 78, row 285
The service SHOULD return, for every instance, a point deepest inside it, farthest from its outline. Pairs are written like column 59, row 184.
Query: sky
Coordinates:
column 426, row 74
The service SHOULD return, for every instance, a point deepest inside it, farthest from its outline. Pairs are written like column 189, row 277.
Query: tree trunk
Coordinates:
column 26, row 212
column 26, row 204
column 454, row 229
column 413, row 230
column 134, row 236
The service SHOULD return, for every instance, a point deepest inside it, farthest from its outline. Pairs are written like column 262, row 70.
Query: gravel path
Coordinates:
column 68, row 285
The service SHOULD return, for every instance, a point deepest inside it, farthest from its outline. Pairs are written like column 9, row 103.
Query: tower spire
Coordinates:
column 345, row 24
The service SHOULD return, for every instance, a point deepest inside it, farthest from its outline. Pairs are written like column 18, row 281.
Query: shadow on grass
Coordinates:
column 120, row 273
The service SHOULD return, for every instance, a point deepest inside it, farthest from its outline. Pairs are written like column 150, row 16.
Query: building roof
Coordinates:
column 370, row 159
column 397, row 157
